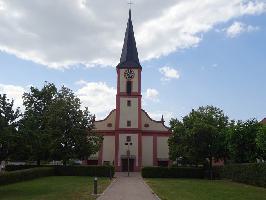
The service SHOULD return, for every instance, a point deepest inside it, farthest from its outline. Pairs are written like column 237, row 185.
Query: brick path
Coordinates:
column 128, row 188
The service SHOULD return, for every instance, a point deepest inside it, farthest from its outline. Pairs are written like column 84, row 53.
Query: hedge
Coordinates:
column 251, row 173
column 58, row 170
column 20, row 167
column 100, row 171
column 75, row 170
column 172, row 172
column 26, row 174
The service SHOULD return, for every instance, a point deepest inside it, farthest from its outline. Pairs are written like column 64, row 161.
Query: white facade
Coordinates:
column 130, row 135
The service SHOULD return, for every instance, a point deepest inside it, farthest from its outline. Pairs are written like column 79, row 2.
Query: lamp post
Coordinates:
column 128, row 143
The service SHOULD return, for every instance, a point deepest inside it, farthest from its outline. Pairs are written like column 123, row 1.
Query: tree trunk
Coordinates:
column 38, row 162
column 210, row 168
column 64, row 162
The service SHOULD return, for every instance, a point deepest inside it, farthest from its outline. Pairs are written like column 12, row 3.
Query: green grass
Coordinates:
column 191, row 189
column 53, row 188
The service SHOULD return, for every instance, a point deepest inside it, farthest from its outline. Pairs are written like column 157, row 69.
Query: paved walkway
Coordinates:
column 128, row 188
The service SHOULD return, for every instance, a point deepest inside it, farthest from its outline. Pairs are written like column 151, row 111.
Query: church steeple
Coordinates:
column 129, row 57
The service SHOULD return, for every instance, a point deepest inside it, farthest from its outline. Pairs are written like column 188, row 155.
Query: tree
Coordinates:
column 176, row 141
column 33, row 127
column 261, row 141
column 71, row 129
column 8, row 127
column 201, row 135
column 242, row 141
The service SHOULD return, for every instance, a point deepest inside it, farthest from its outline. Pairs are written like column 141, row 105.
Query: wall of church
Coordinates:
column 162, row 148
column 147, row 150
column 105, row 124
column 128, row 113
column 108, row 149
column 153, row 125
column 123, row 148
column 123, row 80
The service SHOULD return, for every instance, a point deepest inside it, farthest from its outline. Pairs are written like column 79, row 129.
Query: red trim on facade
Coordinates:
column 133, row 131
column 138, row 131
column 117, row 101
column 139, row 150
column 116, row 150
column 139, row 114
column 152, row 133
column 132, row 94
column 155, row 160
column 117, row 121
column 129, row 129
column 111, row 133
column 139, row 122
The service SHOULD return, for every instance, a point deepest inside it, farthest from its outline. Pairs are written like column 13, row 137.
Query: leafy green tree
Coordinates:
column 71, row 128
column 242, row 141
column 201, row 135
column 261, row 141
column 8, row 127
column 176, row 141
column 33, row 127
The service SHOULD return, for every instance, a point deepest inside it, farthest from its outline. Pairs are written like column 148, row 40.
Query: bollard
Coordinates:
column 95, row 185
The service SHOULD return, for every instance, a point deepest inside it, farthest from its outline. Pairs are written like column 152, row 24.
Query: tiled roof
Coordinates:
column 129, row 56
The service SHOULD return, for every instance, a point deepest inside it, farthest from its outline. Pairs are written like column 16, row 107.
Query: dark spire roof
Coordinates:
column 129, row 56
column 263, row 121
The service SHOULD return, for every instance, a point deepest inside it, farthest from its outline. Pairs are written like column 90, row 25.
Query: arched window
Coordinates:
column 129, row 87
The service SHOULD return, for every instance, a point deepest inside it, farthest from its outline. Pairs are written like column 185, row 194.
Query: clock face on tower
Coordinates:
column 129, row 74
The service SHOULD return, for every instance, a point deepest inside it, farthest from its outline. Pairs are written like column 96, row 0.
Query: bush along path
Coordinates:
column 37, row 172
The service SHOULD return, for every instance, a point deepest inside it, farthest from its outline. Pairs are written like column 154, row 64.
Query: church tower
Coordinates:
column 128, row 98
column 128, row 131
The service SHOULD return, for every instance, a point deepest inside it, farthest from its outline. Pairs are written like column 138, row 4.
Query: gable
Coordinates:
column 108, row 123
column 149, row 124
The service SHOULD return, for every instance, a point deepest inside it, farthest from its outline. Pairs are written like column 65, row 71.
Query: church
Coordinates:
column 128, row 131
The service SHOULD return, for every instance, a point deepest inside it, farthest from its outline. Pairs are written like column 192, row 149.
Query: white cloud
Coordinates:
column 81, row 82
column 238, row 28
column 13, row 92
column 152, row 94
column 253, row 7
column 98, row 97
column 157, row 115
column 64, row 33
column 169, row 73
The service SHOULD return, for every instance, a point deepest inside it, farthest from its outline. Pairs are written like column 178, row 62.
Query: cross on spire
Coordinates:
column 129, row 56
column 130, row 4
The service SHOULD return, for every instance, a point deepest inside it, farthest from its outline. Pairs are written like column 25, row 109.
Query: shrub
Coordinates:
column 172, row 172
column 19, row 167
column 100, row 171
column 26, row 174
column 252, row 173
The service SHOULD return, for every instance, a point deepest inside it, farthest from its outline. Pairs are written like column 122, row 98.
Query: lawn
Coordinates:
column 53, row 188
column 191, row 189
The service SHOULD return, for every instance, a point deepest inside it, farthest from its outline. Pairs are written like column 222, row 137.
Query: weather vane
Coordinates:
column 130, row 3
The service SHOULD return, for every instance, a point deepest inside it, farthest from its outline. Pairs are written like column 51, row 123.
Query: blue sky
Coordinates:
column 220, row 64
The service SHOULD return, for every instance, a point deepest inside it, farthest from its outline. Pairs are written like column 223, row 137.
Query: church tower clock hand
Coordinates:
column 129, row 74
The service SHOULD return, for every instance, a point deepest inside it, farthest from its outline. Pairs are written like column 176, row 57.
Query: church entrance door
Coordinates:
column 125, row 164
